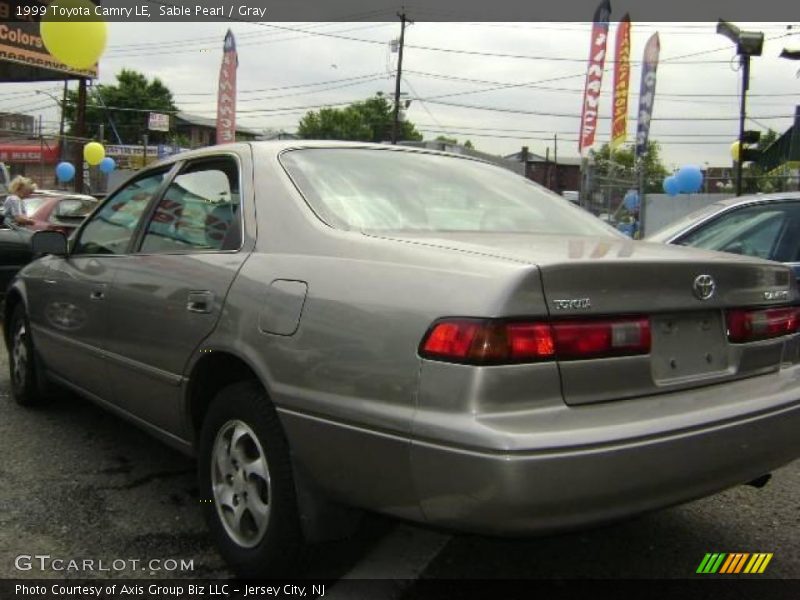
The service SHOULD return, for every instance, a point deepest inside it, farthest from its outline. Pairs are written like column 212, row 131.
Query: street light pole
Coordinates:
column 745, row 62
column 748, row 43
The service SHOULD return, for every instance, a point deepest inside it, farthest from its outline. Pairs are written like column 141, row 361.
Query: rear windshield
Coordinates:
column 31, row 205
column 75, row 208
column 383, row 190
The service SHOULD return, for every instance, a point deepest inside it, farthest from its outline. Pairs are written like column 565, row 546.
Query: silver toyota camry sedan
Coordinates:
column 335, row 327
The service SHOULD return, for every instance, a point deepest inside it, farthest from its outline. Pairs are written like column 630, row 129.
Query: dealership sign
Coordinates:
column 158, row 122
column 21, row 43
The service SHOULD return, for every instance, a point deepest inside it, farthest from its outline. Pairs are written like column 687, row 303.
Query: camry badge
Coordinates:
column 776, row 295
column 704, row 287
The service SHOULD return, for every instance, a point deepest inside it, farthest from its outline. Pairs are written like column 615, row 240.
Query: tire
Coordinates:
column 246, row 485
column 28, row 387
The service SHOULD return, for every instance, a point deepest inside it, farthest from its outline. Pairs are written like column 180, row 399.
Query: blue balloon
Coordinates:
column 690, row 179
column 671, row 185
column 107, row 165
column 631, row 201
column 65, row 171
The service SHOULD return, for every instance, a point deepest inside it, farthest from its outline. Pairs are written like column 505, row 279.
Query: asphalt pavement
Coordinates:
column 77, row 483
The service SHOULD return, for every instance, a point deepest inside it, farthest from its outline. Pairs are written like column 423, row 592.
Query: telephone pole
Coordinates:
column 80, row 131
column 555, row 158
column 396, row 118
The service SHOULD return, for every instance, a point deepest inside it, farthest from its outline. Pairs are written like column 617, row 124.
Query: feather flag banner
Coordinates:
column 622, row 76
column 226, row 95
column 647, row 93
column 594, row 76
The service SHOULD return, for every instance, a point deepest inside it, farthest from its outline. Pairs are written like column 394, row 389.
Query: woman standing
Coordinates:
column 19, row 189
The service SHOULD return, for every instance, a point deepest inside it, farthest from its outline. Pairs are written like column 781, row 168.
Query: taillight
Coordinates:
column 481, row 341
column 745, row 325
column 487, row 341
column 592, row 339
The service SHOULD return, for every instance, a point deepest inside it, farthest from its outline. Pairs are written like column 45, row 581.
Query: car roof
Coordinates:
column 60, row 194
column 278, row 146
column 775, row 197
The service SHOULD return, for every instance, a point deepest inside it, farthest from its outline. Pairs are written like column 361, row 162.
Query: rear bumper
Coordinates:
column 557, row 487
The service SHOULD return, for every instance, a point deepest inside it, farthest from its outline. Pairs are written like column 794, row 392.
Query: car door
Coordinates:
column 170, row 291
column 68, row 307
column 15, row 252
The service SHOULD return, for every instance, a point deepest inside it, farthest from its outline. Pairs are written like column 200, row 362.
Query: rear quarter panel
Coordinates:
column 345, row 382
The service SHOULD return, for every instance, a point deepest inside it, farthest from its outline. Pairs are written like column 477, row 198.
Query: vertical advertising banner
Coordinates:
column 622, row 76
column 647, row 93
column 226, row 96
column 594, row 75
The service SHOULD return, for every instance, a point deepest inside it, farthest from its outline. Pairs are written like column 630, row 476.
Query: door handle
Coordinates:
column 200, row 302
column 97, row 295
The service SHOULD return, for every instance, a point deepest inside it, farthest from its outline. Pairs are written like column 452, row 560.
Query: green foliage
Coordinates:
column 132, row 90
column 178, row 139
column 367, row 121
column 620, row 164
column 755, row 179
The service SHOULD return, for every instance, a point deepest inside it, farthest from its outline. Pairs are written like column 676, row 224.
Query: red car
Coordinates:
column 57, row 211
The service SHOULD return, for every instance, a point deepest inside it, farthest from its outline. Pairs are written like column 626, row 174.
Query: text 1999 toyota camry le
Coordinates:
column 419, row 334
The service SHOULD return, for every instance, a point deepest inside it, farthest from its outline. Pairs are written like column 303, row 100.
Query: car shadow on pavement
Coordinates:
column 86, row 483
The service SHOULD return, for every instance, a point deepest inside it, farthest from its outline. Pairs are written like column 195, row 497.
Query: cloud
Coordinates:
column 186, row 57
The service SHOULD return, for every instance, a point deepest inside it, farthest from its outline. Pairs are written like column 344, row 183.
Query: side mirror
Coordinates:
column 49, row 242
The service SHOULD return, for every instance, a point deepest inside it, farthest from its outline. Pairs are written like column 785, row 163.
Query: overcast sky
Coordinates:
column 691, row 129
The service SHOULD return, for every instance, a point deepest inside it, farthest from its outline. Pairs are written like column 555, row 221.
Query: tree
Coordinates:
column 132, row 91
column 454, row 141
column 620, row 165
column 446, row 140
column 367, row 121
column 754, row 178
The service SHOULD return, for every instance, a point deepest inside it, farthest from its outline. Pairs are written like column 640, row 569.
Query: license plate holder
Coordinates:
column 688, row 346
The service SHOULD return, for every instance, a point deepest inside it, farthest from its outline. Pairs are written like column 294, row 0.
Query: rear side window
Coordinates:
column 385, row 190
column 74, row 208
column 198, row 212
column 765, row 230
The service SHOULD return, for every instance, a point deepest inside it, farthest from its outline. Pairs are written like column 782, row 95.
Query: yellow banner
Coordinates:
column 622, row 74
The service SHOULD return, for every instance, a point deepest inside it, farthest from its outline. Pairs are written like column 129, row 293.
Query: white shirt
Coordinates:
column 13, row 208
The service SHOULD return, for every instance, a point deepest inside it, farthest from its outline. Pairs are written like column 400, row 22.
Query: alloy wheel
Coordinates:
column 240, row 482
column 19, row 356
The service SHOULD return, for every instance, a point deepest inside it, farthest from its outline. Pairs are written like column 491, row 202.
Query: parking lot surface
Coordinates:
column 78, row 483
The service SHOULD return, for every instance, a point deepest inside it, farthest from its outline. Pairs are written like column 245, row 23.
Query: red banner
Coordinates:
column 28, row 153
column 594, row 75
column 226, row 97
column 622, row 76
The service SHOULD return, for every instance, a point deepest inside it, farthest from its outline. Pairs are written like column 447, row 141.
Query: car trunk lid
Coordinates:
column 683, row 292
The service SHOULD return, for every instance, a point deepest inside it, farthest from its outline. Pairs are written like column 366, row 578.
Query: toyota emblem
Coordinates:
column 704, row 287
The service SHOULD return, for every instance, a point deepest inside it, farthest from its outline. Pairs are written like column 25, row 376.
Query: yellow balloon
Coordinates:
column 77, row 42
column 735, row 151
column 94, row 153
